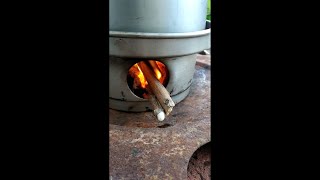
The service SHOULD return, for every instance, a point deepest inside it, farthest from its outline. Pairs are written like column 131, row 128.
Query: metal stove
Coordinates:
column 140, row 146
column 176, row 50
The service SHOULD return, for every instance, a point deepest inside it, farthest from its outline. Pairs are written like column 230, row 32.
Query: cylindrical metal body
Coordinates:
column 176, row 50
column 157, row 16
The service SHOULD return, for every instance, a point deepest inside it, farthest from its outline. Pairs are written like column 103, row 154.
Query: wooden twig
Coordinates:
column 157, row 88
column 154, row 65
column 156, row 70
column 157, row 109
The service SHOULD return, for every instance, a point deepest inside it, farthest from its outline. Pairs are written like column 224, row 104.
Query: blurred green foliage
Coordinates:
column 209, row 10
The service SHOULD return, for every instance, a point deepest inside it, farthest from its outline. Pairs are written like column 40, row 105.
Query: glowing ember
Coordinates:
column 163, row 71
column 158, row 73
column 156, row 69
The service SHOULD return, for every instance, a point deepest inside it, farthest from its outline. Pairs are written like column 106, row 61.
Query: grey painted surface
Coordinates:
column 157, row 45
column 170, row 16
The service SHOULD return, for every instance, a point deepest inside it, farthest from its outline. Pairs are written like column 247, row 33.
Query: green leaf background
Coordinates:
column 209, row 10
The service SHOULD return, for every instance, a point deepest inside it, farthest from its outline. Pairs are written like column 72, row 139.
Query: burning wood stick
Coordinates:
column 155, row 67
column 157, row 88
column 157, row 109
column 160, row 73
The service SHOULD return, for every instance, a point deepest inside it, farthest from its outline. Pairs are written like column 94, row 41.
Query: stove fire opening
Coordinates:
column 137, row 81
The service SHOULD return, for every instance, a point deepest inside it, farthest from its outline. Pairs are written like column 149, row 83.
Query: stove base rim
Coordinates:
column 142, row 106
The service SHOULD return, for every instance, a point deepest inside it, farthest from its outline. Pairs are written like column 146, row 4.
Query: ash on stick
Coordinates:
column 157, row 109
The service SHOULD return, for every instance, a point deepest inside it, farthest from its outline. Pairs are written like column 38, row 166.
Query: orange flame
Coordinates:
column 158, row 73
column 141, row 77
column 140, row 80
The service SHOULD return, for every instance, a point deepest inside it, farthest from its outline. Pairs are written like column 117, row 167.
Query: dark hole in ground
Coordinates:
column 199, row 166
column 164, row 126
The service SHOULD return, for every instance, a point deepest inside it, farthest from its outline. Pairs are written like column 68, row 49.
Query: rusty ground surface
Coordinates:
column 140, row 147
